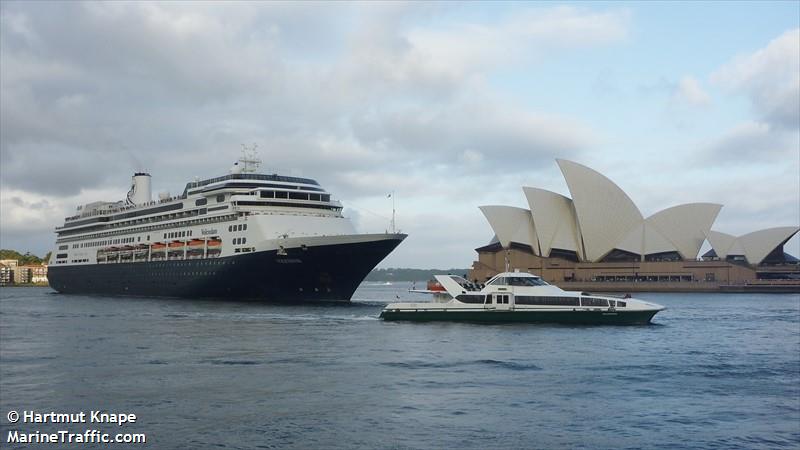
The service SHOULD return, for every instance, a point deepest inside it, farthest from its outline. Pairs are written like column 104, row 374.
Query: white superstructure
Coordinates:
column 238, row 213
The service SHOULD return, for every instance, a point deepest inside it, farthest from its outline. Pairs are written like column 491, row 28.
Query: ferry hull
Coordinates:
column 318, row 273
column 604, row 317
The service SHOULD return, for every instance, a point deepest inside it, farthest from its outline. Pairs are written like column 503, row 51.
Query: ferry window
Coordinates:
column 298, row 196
column 220, row 198
column 279, row 194
column 230, row 228
column 525, row 281
column 470, row 298
column 244, row 240
column 325, row 197
column 200, row 202
column 267, row 194
column 621, row 304
column 314, row 197
column 245, row 227
column 499, row 280
column 589, row 301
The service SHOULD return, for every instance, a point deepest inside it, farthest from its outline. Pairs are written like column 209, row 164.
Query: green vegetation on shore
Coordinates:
column 397, row 274
column 24, row 260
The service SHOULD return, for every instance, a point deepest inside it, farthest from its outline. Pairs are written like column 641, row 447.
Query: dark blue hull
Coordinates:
column 319, row 273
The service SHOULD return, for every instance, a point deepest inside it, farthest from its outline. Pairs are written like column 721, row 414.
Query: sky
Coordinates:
column 448, row 106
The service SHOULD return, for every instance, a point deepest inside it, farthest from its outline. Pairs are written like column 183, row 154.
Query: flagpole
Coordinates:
column 393, row 231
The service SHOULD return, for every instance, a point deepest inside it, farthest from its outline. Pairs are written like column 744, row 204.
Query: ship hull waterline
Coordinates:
column 577, row 317
column 324, row 273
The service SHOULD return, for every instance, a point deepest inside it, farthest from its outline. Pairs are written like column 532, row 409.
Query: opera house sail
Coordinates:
column 599, row 238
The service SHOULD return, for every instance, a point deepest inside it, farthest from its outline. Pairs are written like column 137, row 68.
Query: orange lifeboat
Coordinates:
column 214, row 242
column 176, row 244
column 434, row 285
column 158, row 246
column 196, row 243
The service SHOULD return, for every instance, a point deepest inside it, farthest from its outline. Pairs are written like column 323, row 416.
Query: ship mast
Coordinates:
column 249, row 160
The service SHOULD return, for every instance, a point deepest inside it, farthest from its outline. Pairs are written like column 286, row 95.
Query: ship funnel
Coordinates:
column 140, row 189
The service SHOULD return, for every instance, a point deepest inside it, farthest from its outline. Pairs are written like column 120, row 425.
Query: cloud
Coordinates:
column 751, row 142
column 770, row 77
column 689, row 91
column 364, row 97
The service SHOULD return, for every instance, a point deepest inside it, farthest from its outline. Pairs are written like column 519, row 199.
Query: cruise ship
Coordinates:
column 244, row 235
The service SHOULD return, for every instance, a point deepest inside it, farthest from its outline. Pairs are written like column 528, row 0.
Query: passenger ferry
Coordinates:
column 521, row 297
column 243, row 235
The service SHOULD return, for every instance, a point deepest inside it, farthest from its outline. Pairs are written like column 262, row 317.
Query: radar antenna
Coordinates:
column 249, row 159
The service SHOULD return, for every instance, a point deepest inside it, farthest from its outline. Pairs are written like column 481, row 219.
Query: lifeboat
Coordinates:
column 435, row 286
column 158, row 247
column 214, row 242
column 196, row 243
column 176, row 244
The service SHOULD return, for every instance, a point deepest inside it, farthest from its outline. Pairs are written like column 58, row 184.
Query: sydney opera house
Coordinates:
column 599, row 240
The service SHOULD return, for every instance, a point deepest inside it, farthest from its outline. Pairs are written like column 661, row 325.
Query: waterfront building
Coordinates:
column 598, row 236
column 6, row 274
column 32, row 274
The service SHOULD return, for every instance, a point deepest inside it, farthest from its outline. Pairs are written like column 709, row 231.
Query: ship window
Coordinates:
column 298, row 195
column 314, row 197
column 470, row 298
column 267, row 194
column 525, row 281
column 621, row 304
column 280, row 194
column 245, row 227
column 542, row 300
column 244, row 240
column 325, row 197
column 499, row 280
column 590, row 301
column 200, row 202
column 220, row 198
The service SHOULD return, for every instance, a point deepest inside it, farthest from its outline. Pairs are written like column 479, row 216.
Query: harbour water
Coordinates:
column 713, row 371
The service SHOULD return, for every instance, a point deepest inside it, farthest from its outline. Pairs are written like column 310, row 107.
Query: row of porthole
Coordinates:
column 237, row 241
column 239, row 227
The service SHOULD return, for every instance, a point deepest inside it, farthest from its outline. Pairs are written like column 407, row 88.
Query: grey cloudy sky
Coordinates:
column 448, row 105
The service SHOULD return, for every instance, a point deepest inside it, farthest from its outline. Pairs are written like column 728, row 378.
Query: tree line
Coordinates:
column 26, row 259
